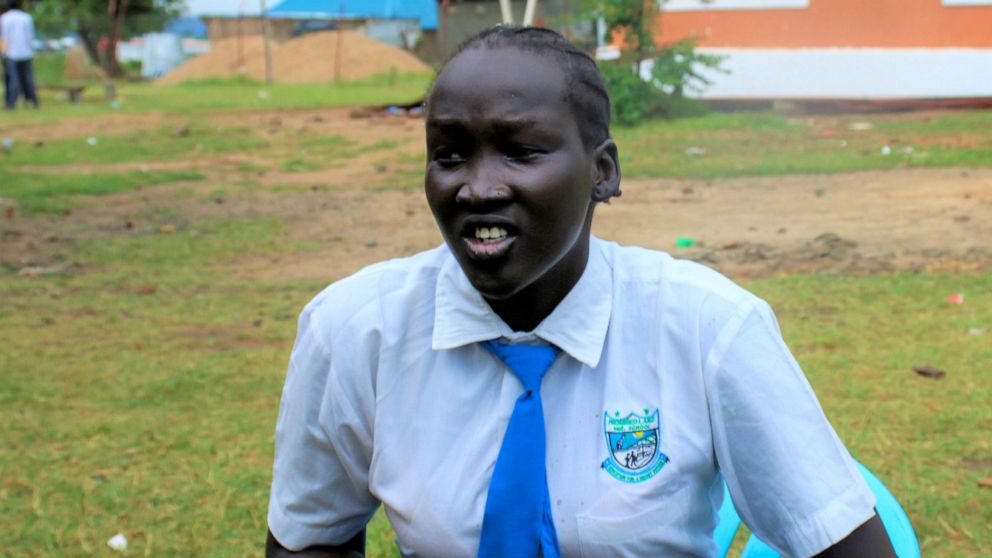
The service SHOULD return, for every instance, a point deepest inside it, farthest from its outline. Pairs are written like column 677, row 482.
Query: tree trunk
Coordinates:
column 115, row 23
column 90, row 44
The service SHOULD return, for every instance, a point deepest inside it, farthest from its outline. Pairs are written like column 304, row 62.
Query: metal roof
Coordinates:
column 424, row 11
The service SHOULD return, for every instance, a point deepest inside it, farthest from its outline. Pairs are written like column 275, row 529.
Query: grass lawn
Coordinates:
column 760, row 144
column 140, row 393
column 201, row 96
column 140, row 388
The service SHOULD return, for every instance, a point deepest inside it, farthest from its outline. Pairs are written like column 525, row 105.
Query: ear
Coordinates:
column 606, row 169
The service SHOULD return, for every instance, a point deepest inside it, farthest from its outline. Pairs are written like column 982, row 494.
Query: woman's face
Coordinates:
column 508, row 178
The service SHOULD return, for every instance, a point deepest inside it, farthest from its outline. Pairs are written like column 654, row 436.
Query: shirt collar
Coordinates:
column 578, row 325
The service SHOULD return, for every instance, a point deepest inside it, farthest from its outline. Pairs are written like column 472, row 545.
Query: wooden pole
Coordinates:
column 340, row 43
column 444, row 29
column 239, row 66
column 529, row 12
column 567, row 19
column 265, row 42
column 506, row 10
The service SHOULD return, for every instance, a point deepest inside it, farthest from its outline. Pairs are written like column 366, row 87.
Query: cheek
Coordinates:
column 565, row 194
column 437, row 189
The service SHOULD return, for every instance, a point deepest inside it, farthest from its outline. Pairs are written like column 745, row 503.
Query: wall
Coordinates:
column 280, row 29
column 832, row 23
column 840, row 49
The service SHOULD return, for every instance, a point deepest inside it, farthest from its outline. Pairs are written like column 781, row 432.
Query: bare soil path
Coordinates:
column 898, row 220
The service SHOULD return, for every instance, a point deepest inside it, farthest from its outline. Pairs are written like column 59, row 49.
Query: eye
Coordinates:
column 522, row 153
column 449, row 157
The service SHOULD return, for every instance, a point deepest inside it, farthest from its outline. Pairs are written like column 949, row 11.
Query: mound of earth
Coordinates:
column 310, row 58
column 78, row 65
column 234, row 56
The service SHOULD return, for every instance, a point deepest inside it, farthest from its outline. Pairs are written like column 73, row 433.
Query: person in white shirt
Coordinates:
column 670, row 381
column 3, row 59
column 17, row 34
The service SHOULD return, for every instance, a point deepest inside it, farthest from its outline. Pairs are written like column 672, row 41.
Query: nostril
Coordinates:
column 471, row 194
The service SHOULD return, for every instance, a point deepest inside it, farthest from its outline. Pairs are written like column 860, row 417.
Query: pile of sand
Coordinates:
column 78, row 65
column 306, row 59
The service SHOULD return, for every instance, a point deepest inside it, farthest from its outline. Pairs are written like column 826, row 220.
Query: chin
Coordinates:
column 493, row 288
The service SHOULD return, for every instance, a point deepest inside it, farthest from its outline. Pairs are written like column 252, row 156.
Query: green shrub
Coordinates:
column 632, row 99
column 676, row 71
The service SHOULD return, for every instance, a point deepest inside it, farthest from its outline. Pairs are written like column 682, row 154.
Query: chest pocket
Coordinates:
column 658, row 524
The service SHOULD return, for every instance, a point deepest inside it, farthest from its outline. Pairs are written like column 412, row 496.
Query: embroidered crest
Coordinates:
column 634, row 444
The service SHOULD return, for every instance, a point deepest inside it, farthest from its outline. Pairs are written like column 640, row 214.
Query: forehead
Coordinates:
column 500, row 82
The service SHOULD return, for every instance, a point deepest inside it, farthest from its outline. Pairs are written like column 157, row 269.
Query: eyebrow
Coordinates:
column 509, row 125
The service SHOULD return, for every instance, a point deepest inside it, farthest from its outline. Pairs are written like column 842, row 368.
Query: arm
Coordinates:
column 354, row 548
column 867, row 541
column 792, row 481
column 323, row 445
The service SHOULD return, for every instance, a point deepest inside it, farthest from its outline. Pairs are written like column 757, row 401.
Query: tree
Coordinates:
column 634, row 20
column 675, row 67
column 100, row 24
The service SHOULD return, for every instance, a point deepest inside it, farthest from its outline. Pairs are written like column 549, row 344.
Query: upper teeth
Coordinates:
column 490, row 233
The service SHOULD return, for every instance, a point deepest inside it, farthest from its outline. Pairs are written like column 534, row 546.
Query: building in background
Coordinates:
column 840, row 49
column 400, row 23
column 460, row 19
column 396, row 22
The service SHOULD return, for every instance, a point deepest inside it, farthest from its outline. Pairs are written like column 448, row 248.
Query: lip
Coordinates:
column 487, row 250
column 483, row 250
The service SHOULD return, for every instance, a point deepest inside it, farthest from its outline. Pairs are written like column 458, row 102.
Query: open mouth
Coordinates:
column 487, row 242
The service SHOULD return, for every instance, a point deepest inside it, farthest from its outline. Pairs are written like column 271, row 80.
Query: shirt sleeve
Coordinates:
column 323, row 449
column 791, row 479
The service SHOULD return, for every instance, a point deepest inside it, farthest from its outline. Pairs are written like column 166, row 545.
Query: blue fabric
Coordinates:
column 727, row 524
column 518, row 521
column 424, row 11
column 894, row 518
column 19, row 80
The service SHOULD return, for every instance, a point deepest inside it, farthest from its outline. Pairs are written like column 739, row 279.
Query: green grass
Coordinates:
column 33, row 192
column 211, row 95
column 140, row 393
column 857, row 339
column 49, row 68
column 759, row 144
column 140, row 387
column 141, row 146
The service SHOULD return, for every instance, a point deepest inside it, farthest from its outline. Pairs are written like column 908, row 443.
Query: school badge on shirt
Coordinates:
column 634, row 444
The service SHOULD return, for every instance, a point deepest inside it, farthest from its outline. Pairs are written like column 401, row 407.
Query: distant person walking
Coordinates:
column 3, row 59
column 17, row 34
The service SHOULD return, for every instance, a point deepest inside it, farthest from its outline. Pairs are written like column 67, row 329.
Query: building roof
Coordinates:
column 425, row 11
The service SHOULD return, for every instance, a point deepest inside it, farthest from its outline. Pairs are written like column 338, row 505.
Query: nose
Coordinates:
column 484, row 184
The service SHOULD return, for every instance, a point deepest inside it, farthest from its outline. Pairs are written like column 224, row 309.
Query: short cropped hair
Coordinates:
column 585, row 90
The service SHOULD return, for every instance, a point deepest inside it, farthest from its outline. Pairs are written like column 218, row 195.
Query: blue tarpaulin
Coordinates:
column 424, row 11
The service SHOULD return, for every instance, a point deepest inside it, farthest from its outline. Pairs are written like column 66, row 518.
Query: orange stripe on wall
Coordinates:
column 836, row 23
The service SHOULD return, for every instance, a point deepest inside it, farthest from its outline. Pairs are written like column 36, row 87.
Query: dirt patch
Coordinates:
column 369, row 207
column 929, row 219
column 104, row 125
column 311, row 58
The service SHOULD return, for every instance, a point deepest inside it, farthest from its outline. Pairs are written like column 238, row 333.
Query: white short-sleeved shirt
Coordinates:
column 17, row 34
column 671, row 379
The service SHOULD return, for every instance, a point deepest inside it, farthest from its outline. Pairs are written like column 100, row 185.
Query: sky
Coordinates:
column 226, row 7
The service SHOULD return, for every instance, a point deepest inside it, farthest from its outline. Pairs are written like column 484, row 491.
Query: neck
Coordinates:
column 526, row 309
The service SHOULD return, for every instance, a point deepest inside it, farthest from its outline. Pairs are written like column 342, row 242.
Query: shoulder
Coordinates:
column 358, row 301
column 642, row 272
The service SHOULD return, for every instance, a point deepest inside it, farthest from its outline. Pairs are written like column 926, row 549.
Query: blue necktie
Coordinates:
column 518, row 522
